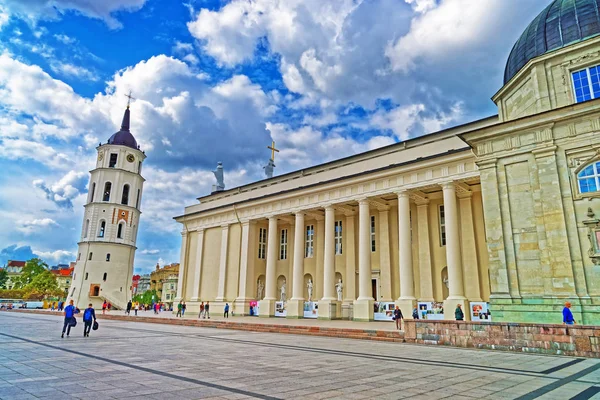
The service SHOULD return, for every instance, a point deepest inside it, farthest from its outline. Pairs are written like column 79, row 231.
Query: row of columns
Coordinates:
column 363, row 304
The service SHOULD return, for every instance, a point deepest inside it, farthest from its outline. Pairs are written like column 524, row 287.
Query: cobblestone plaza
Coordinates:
column 133, row 360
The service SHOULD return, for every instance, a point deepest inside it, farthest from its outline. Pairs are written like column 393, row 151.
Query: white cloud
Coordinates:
column 37, row 225
column 148, row 251
column 64, row 39
column 55, row 256
column 35, row 10
column 74, row 71
column 4, row 17
column 19, row 149
column 65, row 190
column 421, row 6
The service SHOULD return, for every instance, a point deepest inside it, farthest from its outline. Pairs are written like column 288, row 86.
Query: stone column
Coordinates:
column 183, row 263
column 319, row 258
column 295, row 306
column 453, row 256
column 267, row 305
column 223, row 263
column 407, row 299
column 469, row 247
column 363, row 306
column 328, row 306
column 198, row 268
column 246, row 282
column 385, row 256
column 425, row 272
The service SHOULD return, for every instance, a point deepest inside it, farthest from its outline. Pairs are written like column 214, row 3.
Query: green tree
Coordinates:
column 44, row 282
column 3, row 278
column 32, row 268
column 146, row 297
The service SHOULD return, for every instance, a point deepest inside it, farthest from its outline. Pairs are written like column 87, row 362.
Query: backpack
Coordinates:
column 69, row 311
column 87, row 315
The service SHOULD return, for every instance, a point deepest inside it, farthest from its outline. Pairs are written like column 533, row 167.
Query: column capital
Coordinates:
column 402, row 193
column 184, row 233
column 491, row 163
column 200, row 230
column 271, row 217
column 225, row 226
column 329, row 207
column 448, row 185
column 363, row 201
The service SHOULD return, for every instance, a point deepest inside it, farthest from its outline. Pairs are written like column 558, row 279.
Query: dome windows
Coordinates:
column 113, row 160
column 586, row 84
column 125, row 196
column 588, row 179
column 107, row 189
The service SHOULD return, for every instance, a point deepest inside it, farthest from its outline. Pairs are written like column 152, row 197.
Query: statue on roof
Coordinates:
column 220, row 186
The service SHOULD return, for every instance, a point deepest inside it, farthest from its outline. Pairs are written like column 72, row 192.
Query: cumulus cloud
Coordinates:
column 37, row 225
column 74, row 71
column 150, row 251
column 63, row 192
column 35, row 10
column 56, row 256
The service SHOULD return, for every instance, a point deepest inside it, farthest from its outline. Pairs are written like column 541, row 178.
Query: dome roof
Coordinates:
column 562, row 23
column 124, row 137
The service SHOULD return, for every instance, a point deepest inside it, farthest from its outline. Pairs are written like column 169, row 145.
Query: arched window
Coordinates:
column 120, row 231
column 92, row 192
column 106, row 195
column 104, row 277
column 102, row 229
column 107, row 256
column 87, row 228
column 589, row 178
column 90, row 257
column 125, row 197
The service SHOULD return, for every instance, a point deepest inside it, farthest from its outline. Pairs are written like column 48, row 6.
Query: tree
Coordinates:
column 3, row 278
column 146, row 297
column 44, row 282
column 32, row 268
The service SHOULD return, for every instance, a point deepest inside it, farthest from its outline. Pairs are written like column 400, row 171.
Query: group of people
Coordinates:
column 204, row 310
column 59, row 307
column 181, row 307
column 89, row 319
column 130, row 305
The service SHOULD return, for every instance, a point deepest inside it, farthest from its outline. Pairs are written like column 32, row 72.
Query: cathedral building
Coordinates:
column 104, row 267
column 499, row 215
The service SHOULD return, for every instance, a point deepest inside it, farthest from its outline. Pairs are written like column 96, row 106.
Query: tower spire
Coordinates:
column 125, row 123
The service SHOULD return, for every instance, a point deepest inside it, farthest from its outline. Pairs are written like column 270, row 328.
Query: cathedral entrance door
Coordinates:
column 374, row 288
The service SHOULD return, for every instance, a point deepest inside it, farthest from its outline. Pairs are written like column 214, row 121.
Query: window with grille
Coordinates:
column 283, row 245
column 262, row 243
column 373, row 248
column 588, row 179
column 586, row 83
column 442, row 217
column 309, row 249
column 338, row 237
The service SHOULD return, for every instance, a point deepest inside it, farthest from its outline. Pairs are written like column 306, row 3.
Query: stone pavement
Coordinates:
column 134, row 360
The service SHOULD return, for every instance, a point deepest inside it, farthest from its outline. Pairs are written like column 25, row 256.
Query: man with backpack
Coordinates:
column 129, row 305
column 69, row 313
column 89, row 316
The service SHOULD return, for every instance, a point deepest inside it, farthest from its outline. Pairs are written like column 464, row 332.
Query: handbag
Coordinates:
column 73, row 322
column 95, row 326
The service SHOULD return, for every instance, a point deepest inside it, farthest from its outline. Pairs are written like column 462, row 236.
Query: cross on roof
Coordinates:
column 129, row 98
column 273, row 150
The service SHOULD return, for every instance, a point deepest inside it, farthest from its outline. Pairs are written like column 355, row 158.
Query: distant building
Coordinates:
column 160, row 276
column 169, row 290
column 14, row 269
column 63, row 276
column 135, row 280
column 143, row 284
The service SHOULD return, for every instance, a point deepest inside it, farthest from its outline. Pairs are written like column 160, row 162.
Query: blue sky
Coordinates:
column 217, row 81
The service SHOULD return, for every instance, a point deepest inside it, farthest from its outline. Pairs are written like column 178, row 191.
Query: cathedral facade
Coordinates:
column 502, row 213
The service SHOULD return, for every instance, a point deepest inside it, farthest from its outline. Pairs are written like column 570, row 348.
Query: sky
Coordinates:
column 218, row 80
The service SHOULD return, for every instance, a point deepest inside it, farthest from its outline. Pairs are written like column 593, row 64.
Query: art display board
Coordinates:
column 311, row 309
column 255, row 308
column 384, row 311
column 480, row 311
column 280, row 310
column 431, row 310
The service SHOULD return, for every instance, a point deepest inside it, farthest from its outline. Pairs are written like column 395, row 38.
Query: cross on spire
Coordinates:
column 129, row 98
column 273, row 150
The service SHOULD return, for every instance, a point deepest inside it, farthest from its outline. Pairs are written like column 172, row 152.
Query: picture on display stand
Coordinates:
column 480, row 312
column 280, row 310
column 311, row 309
column 431, row 310
column 383, row 311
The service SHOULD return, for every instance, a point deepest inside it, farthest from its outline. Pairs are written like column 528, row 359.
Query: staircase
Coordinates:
column 115, row 304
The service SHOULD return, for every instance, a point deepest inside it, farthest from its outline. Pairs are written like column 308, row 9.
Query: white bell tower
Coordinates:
column 107, row 246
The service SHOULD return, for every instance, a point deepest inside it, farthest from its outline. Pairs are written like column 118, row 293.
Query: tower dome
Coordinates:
column 562, row 23
column 124, row 136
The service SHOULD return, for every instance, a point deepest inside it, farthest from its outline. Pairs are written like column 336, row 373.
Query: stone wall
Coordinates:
column 574, row 340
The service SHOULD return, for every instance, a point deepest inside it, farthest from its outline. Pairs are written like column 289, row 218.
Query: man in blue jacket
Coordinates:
column 69, row 314
column 568, row 318
column 89, row 316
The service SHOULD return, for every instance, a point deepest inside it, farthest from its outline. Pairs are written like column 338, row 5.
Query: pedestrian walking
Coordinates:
column 69, row 314
column 398, row 317
column 568, row 318
column 415, row 314
column 136, row 307
column 104, row 306
column 458, row 313
column 201, row 314
column 109, row 307
column 89, row 316
column 129, row 305
column 179, row 308
column 226, row 311
column 183, row 308
column 206, row 310
column 60, row 305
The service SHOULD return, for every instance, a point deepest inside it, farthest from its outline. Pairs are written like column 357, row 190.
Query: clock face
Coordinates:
column 100, row 156
column 130, row 158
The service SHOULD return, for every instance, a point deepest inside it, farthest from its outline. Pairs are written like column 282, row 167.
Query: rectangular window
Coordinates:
column 373, row 233
column 86, row 276
column 442, row 226
column 262, row 243
column 283, row 245
column 338, row 237
column 586, row 84
column 113, row 160
column 90, row 257
column 309, row 249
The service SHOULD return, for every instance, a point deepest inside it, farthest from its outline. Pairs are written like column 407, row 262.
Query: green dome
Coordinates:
column 562, row 23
